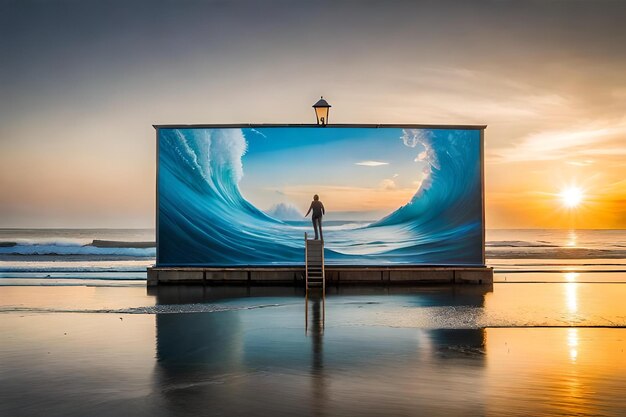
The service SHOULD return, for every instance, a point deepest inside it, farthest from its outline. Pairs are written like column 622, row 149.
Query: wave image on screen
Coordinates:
column 393, row 196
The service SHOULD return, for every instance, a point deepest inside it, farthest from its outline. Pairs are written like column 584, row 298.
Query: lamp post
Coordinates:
column 321, row 111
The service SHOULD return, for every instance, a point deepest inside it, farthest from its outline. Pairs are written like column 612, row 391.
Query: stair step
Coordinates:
column 314, row 258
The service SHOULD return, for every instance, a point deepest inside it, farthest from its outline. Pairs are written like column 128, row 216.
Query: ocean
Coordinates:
column 69, row 256
column 83, row 335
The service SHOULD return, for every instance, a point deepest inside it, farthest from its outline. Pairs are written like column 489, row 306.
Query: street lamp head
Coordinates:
column 321, row 111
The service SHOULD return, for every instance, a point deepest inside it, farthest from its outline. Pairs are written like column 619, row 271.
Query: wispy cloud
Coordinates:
column 371, row 163
column 575, row 144
column 388, row 184
column 584, row 163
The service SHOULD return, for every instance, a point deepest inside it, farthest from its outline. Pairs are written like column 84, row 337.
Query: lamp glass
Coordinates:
column 322, row 115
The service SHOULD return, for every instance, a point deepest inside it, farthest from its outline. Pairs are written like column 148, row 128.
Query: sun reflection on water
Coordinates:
column 572, row 343
column 572, row 239
column 571, row 296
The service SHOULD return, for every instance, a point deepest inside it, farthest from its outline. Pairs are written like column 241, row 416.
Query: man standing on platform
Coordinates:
column 318, row 212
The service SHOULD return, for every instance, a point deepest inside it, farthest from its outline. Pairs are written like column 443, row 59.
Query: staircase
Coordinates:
column 314, row 263
column 315, row 277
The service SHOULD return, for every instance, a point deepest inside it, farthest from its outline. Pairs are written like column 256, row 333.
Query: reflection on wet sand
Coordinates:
column 381, row 352
column 314, row 300
column 260, row 362
column 315, row 332
column 564, row 371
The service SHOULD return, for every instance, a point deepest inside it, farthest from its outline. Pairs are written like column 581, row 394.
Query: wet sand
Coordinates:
column 514, row 349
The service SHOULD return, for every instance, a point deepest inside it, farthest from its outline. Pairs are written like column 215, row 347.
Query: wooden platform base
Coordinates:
column 334, row 275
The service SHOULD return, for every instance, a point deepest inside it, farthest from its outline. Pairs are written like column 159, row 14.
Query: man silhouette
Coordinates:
column 318, row 212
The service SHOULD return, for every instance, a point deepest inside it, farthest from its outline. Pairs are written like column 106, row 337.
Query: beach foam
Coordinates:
column 67, row 247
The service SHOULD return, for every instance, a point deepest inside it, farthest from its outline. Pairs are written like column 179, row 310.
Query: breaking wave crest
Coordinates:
column 62, row 248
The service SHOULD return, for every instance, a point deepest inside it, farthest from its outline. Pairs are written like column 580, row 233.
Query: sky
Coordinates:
column 82, row 82
column 360, row 173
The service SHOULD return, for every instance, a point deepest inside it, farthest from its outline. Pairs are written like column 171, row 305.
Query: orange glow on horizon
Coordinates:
column 557, row 195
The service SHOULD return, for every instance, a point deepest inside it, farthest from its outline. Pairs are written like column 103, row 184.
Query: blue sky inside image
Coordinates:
column 289, row 165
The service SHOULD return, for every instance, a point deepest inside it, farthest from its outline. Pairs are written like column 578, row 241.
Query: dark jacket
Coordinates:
column 318, row 208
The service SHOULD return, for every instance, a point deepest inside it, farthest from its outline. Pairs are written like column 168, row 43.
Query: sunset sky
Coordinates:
column 81, row 83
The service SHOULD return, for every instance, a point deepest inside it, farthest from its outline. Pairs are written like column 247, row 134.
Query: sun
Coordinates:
column 571, row 196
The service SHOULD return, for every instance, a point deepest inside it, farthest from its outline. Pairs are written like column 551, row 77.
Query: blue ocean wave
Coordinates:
column 65, row 248
column 205, row 220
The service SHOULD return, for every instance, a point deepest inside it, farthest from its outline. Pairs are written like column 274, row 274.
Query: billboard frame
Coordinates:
column 480, row 128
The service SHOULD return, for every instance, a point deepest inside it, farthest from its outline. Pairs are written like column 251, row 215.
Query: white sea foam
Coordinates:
column 65, row 247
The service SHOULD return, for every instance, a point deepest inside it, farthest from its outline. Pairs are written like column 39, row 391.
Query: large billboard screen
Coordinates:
column 237, row 196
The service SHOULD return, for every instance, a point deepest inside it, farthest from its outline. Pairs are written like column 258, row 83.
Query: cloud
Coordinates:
column 584, row 163
column 371, row 163
column 576, row 144
column 388, row 184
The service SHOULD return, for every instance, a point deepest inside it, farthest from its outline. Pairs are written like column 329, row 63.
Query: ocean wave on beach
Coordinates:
column 120, row 250
column 555, row 252
column 518, row 244
column 49, row 257
column 555, row 244
column 96, row 248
